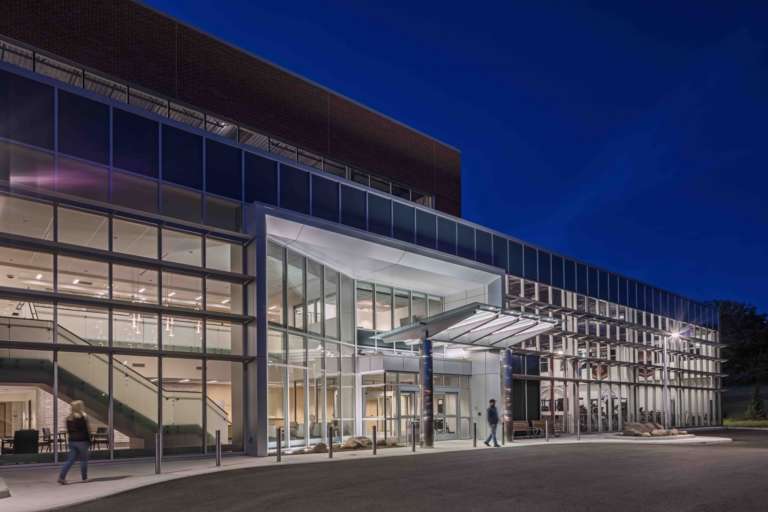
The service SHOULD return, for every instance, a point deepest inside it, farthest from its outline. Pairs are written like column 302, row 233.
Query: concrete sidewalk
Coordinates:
column 35, row 488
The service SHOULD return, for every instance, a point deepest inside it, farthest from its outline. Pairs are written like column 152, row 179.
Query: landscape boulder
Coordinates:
column 357, row 443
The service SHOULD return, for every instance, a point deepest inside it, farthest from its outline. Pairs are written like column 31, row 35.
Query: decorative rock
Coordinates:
column 659, row 432
column 320, row 448
column 645, row 434
column 357, row 443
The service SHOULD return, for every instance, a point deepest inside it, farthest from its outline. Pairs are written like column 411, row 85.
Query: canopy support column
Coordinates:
column 507, row 420
column 427, row 392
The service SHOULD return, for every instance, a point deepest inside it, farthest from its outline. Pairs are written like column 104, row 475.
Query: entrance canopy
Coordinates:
column 477, row 325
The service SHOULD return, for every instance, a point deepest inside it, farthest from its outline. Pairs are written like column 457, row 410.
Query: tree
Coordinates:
column 744, row 332
column 755, row 409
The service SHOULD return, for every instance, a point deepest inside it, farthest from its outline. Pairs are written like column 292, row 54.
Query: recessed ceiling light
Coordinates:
column 39, row 276
column 141, row 290
column 225, row 301
column 199, row 297
column 75, row 281
column 172, row 294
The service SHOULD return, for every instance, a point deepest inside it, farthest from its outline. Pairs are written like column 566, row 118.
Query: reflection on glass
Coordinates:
column 402, row 308
column 26, row 218
column 331, row 290
column 83, row 326
column 418, row 307
column 28, row 270
column 314, row 297
column 364, row 308
column 383, row 308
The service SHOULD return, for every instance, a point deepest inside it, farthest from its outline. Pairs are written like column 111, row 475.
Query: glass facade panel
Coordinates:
column 325, row 199
column 260, row 179
column 331, row 291
column 379, row 215
column 182, row 291
column 182, row 333
column 134, row 238
column 383, row 308
column 223, row 296
column 182, row 247
column 30, row 270
column 466, row 241
column 135, row 147
column 353, row 207
column 83, row 127
column 402, row 308
column 182, row 157
column 78, row 178
column 295, row 290
column 403, row 222
column 222, row 337
column 557, row 271
column 223, row 255
column 26, row 110
column 364, row 313
column 500, row 252
column 26, row 168
column 134, row 284
column 131, row 329
column 446, row 235
column 530, row 268
column 224, row 403
column 275, row 278
column 426, row 229
column 483, row 247
column 134, row 191
column 223, row 213
column 314, row 297
column 294, row 189
column 83, row 277
column 182, row 203
column 135, row 391
column 26, row 218
column 223, row 170
column 82, row 228
column 182, row 402
column 418, row 307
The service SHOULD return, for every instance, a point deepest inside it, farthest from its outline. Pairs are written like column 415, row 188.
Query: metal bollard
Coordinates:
column 474, row 435
column 413, row 436
column 330, row 441
column 279, row 444
column 158, row 453
column 578, row 429
column 374, row 439
column 503, row 433
column 218, row 448
column 546, row 430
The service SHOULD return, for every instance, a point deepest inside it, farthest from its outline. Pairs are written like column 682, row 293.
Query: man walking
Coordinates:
column 492, row 415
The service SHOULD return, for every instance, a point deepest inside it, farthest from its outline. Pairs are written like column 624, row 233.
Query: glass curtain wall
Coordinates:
column 131, row 337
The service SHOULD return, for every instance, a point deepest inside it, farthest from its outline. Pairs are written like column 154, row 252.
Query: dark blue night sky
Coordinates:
column 632, row 135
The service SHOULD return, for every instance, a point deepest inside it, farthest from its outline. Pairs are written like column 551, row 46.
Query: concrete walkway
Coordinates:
column 35, row 488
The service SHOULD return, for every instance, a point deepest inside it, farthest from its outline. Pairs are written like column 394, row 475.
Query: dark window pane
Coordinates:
column 135, row 143
column 570, row 275
column 182, row 203
column 83, row 127
column 294, row 189
column 545, row 275
column 446, row 235
column 532, row 365
column 82, row 179
column 325, row 199
column 260, row 179
column 483, row 247
column 641, row 304
column 603, row 284
column 425, row 229
column 223, row 213
column 500, row 252
column 134, row 191
column 632, row 299
column 557, row 271
column 466, row 244
column 530, row 269
column 592, row 282
column 182, row 157
column 622, row 291
column 379, row 215
column 403, row 217
column 581, row 278
column 353, row 207
column 614, row 284
column 222, row 170
column 515, row 258
column 533, row 399
column 26, row 110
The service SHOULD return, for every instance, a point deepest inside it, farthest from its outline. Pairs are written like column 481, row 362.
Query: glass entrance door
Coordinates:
column 408, row 413
column 446, row 410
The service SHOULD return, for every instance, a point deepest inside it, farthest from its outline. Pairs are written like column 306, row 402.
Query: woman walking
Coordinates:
column 79, row 441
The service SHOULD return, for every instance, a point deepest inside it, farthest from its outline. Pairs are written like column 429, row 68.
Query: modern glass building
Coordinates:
column 195, row 240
